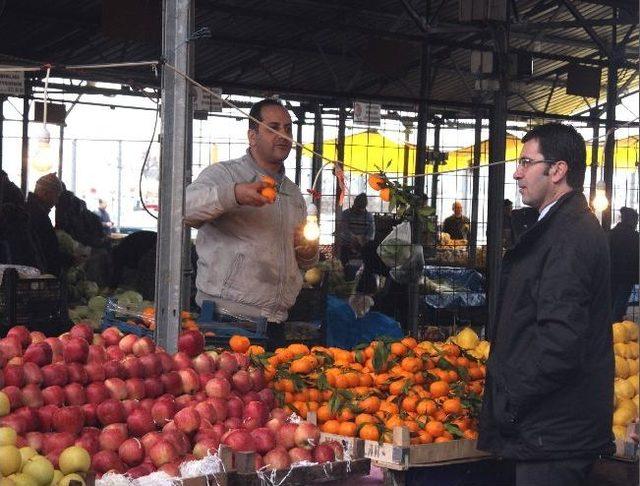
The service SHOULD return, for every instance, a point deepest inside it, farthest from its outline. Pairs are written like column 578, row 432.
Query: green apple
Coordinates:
column 40, row 469
column 10, row 460
column 8, row 436
column 74, row 459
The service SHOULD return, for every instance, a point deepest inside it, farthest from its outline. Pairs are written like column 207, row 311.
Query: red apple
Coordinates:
column 32, row 396
column 56, row 348
column 127, row 342
column 152, row 365
column 75, row 394
column 130, row 405
column 59, row 441
column 149, row 440
column 183, row 401
column 55, row 374
column 163, row 452
column 111, row 336
column 275, row 424
column 240, row 441
column 241, row 381
column 32, row 374
column 112, row 437
column 190, row 380
column 285, row 437
column 187, row 420
column 144, row 346
column 90, row 414
column 256, row 410
column 11, row 347
column 107, row 460
column 166, row 361
column 16, row 422
column 218, row 388
column 14, row 375
column 39, row 353
column 338, row 450
column 220, row 406
column 172, row 383
column 135, row 388
column 23, row 335
column 114, row 352
column 163, row 411
column 14, row 394
column 153, row 387
column 205, row 447
column 35, row 440
column 132, row 367
column 206, row 411
column 298, row 454
column 227, row 363
column 110, row 411
column 250, row 397
column 97, row 393
column 54, row 395
column 264, row 439
column 45, row 415
column 307, row 435
column 235, row 407
column 323, row 453
column 191, row 342
column 179, row 440
column 203, row 363
column 267, row 397
column 95, row 372
column 68, row 419
column 76, row 350
column 77, row 373
column 131, row 452
column 140, row 422
column 37, row 337
column 83, row 331
column 88, row 443
column 147, row 404
column 182, row 361
column 31, row 416
column 97, row 354
column 117, row 388
column 277, row 458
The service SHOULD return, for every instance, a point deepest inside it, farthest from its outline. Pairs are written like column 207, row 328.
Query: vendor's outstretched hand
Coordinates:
column 248, row 194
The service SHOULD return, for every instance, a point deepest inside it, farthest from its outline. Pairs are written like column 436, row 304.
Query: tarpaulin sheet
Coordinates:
column 454, row 287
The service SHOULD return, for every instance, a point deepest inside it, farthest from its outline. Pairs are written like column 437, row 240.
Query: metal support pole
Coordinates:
column 594, row 156
column 176, row 119
column 610, row 142
column 342, row 128
column 475, row 188
column 497, row 151
column 60, row 152
column 118, row 218
column 2, row 98
column 421, row 152
column 24, row 173
column 74, row 159
column 436, row 152
column 300, row 125
column 316, row 163
column 408, row 127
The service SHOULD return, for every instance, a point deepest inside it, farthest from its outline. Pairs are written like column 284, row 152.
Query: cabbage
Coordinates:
column 89, row 289
column 97, row 303
column 67, row 244
column 394, row 252
column 133, row 297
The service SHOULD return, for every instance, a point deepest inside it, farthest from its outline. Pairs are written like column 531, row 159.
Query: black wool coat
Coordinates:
column 549, row 387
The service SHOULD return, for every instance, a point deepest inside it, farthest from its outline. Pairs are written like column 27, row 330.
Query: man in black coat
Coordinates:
column 548, row 399
column 623, row 241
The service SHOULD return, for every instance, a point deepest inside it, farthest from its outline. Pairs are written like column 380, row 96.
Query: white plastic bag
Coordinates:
column 395, row 249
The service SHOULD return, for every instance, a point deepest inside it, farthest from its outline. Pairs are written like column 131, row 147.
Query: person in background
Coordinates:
column 40, row 202
column 356, row 228
column 624, row 243
column 16, row 243
column 250, row 247
column 73, row 217
column 105, row 219
column 507, row 227
column 457, row 225
column 543, row 405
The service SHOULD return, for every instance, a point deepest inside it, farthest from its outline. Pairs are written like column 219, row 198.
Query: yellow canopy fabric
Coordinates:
column 463, row 158
column 370, row 151
column 625, row 155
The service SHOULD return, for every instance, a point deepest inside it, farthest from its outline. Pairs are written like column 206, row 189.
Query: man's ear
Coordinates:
column 559, row 171
column 251, row 135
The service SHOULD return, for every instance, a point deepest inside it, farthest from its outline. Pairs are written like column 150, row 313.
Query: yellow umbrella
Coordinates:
column 370, row 151
column 626, row 154
column 463, row 158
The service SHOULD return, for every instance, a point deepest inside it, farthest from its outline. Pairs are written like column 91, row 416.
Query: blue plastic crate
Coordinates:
column 224, row 326
column 110, row 319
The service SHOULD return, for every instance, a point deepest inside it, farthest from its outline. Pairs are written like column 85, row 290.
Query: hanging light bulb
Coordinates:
column 42, row 160
column 311, row 230
column 600, row 201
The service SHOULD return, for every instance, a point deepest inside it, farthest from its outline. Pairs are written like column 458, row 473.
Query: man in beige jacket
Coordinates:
column 250, row 249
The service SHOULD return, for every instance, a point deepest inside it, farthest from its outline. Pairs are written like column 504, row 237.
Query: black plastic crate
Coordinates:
column 36, row 302
column 311, row 304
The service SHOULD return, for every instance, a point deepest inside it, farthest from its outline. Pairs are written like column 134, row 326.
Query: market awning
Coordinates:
column 370, row 151
column 625, row 156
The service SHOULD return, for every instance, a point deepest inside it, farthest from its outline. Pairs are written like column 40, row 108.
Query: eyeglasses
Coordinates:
column 526, row 162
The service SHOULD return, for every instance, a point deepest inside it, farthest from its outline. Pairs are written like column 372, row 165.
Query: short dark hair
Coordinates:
column 360, row 201
column 562, row 142
column 628, row 216
column 256, row 111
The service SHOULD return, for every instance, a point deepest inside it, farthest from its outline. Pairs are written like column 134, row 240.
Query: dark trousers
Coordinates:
column 561, row 472
column 620, row 293
column 275, row 335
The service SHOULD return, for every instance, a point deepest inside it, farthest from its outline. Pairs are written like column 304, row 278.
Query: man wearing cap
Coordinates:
column 623, row 243
column 39, row 204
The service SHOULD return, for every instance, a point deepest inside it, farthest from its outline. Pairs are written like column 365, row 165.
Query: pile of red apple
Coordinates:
column 136, row 409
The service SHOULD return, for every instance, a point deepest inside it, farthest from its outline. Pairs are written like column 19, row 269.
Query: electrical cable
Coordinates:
column 144, row 163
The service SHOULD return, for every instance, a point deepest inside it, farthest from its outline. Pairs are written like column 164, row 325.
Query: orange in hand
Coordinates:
column 268, row 180
column 270, row 193
column 376, row 181
column 385, row 194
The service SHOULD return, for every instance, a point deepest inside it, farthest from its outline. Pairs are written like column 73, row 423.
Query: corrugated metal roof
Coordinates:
column 328, row 48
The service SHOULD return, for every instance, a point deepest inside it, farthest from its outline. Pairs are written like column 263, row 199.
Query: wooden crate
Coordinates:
column 401, row 455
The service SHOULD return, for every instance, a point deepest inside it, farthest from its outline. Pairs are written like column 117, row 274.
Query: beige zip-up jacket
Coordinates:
column 246, row 254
